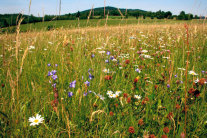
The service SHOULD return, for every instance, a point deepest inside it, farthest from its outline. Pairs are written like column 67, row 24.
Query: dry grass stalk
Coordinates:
column 107, row 17
column 30, row 5
column 67, row 118
column 12, row 85
column 89, row 16
column 96, row 112
column 122, row 16
column 25, row 54
column 104, row 7
column 186, row 76
column 17, row 50
column 59, row 7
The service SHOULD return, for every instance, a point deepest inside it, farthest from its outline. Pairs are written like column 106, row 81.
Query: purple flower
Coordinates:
column 181, row 81
column 89, row 70
column 72, row 84
column 137, row 70
column 49, row 65
column 91, row 76
column 92, row 55
column 108, row 53
column 90, row 91
column 203, row 71
column 107, row 61
column 176, row 76
column 112, row 57
column 85, row 94
column 56, row 65
column 54, row 85
column 87, row 83
column 168, row 85
column 70, row 94
column 53, row 72
column 49, row 73
column 54, row 77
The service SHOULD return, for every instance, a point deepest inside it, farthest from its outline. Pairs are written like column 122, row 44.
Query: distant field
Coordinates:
column 112, row 21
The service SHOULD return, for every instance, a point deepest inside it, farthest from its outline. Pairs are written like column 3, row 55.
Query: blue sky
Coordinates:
column 198, row 7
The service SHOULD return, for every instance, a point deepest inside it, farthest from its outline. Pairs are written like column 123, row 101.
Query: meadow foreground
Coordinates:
column 121, row 81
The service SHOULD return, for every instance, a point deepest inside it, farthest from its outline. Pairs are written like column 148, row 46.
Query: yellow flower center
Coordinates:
column 36, row 121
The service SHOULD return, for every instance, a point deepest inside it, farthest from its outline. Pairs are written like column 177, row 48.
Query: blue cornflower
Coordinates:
column 70, row 94
column 87, row 83
column 72, row 84
column 54, row 77
column 91, row 76
column 92, row 55
column 118, row 61
column 49, row 73
column 106, row 61
column 53, row 72
column 108, row 53
column 112, row 57
column 137, row 70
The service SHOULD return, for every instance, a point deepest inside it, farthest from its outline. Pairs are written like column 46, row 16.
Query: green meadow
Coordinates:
column 89, row 78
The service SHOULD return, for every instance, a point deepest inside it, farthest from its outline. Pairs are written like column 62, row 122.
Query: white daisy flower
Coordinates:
column 109, row 92
column 112, row 96
column 137, row 97
column 166, row 57
column 116, row 95
column 118, row 92
column 106, row 70
column 181, row 68
column 101, row 52
column 114, row 60
column 36, row 120
column 144, row 51
column 197, row 80
column 192, row 73
column 31, row 47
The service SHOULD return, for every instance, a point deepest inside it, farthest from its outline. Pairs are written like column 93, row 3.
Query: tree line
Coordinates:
column 98, row 13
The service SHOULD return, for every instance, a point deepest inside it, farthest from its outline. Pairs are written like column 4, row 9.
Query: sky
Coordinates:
column 51, row 7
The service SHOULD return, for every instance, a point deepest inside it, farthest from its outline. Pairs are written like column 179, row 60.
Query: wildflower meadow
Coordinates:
column 132, row 80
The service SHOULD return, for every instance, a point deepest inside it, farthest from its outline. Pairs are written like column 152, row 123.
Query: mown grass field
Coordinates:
column 67, row 76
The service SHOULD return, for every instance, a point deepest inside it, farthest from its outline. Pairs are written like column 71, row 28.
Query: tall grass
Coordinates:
column 163, row 95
